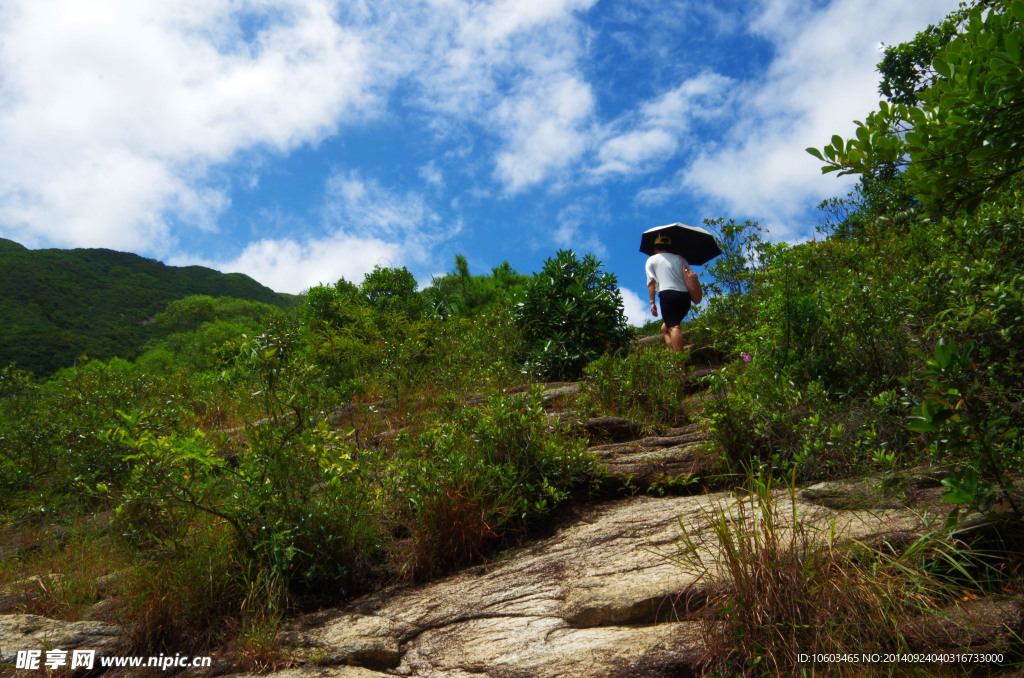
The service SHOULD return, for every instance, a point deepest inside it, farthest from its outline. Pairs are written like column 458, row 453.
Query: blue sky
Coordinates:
column 301, row 141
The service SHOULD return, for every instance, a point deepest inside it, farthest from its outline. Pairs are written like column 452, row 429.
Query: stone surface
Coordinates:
column 652, row 341
column 560, row 392
column 31, row 632
column 594, row 599
column 601, row 597
column 605, row 596
column 991, row 624
column 542, row 646
column 852, row 494
column 611, row 429
column 657, row 460
column 345, row 638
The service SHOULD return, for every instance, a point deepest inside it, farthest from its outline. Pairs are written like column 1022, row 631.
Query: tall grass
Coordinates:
column 781, row 586
column 647, row 386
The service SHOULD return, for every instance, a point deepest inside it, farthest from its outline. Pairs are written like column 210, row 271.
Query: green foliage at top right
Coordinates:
column 895, row 340
column 958, row 140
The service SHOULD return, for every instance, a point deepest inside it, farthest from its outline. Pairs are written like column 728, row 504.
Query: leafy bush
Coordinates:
column 753, row 416
column 965, row 423
column 294, row 497
column 459, row 294
column 956, row 138
column 895, row 340
column 475, row 475
column 571, row 314
column 392, row 291
column 455, row 356
column 50, row 437
column 341, row 335
column 644, row 386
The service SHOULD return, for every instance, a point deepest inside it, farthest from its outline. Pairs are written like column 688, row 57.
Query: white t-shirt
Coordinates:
column 667, row 270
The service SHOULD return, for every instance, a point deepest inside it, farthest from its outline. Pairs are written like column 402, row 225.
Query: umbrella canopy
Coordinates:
column 694, row 244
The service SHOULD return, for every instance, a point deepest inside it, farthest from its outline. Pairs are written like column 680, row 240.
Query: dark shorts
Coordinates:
column 674, row 306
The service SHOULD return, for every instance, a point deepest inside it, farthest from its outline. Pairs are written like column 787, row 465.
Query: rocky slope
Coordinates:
column 604, row 595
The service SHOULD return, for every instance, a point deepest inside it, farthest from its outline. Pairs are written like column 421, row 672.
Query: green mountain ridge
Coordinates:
column 56, row 305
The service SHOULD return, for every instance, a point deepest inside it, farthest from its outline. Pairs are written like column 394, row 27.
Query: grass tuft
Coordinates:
column 779, row 585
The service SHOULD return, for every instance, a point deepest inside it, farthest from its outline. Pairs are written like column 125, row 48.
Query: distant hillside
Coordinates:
column 56, row 305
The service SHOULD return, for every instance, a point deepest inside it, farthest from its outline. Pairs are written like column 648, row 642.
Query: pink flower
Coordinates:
column 746, row 358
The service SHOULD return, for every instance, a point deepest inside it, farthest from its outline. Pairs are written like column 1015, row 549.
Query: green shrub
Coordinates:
column 392, row 292
column 648, row 386
column 752, row 416
column 451, row 357
column 473, row 476
column 339, row 331
column 571, row 314
column 461, row 295
column 295, row 498
column 50, row 435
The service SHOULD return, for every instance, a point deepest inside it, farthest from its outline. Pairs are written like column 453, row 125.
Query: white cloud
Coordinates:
column 431, row 174
column 630, row 151
column 117, row 115
column 364, row 208
column 497, row 21
column 290, row 266
column 365, row 225
column 638, row 312
column 657, row 128
column 822, row 78
column 545, row 130
column 510, row 66
column 698, row 97
column 114, row 110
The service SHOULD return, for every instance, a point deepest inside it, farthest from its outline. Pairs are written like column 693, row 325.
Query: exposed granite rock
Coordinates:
column 854, row 493
column 612, row 429
column 658, row 460
column 982, row 625
column 568, row 390
column 31, row 632
column 602, row 597
column 605, row 596
column 652, row 341
column 346, row 638
column 539, row 647
column 598, row 596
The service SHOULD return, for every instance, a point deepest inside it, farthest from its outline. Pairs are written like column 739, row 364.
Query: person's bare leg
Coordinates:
column 665, row 333
column 675, row 337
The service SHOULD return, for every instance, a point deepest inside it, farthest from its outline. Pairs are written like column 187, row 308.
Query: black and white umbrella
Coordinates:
column 694, row 244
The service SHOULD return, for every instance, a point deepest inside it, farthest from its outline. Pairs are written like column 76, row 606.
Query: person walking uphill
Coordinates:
column 667, row 275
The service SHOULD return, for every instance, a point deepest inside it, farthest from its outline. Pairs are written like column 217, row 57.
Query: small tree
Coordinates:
column 393, row 290
column 572, row 314
column 341, row 336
